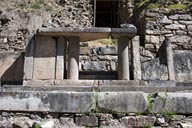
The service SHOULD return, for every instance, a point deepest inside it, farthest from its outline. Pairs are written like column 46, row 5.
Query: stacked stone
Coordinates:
column 161, row 24
column 78, row 13
column 102, row 58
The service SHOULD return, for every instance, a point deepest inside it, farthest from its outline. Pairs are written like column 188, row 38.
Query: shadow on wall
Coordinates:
column 11, row 71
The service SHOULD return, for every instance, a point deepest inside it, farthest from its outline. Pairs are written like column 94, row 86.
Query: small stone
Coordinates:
column 47, row 124
column 152, row 39
column 175, row 26
column 165, row 21
column 91, row 121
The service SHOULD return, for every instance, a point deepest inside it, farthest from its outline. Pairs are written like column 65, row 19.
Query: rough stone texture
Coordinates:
column 89, row 121
column 183, row 65
column 172, row 103
column 11, row 67
column 47, row 101
column 122, row 102
column 154, row 70
column 44, row 58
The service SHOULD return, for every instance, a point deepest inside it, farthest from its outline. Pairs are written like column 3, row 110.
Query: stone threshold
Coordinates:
column 95, row 102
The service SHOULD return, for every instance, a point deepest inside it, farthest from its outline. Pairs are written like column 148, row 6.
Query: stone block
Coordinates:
column 165, row 21
column 172, row 103
column 122, row 102
column 189, row 27
column 91, row 121
column 175, row 27
column 152, row 39
column 138, row 121
column 180, row 39
column 46, row 101
column 107, row 50
column 95, row 65
column 44, row 58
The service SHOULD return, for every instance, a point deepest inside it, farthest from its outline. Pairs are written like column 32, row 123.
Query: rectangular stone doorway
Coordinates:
column 106, row 13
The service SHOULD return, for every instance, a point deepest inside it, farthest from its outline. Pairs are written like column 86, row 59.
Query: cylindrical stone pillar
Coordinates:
column 123, row 58
column 73, row 58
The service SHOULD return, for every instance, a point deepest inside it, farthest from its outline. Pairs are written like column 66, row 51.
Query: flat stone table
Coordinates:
column 74, row 36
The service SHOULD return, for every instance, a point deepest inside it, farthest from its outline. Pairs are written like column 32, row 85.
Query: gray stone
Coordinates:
column 173, row 103
column 136, row 63
column 122, row 102
column 59, row 75
column 152, row 32
column 165, row 21
column 152, row 39
column 107, row 50
column 95, row 65
column 123, row 58
column 73, row 59
column 175, row 27
column 189, row 27
column 180, row 39
column 174, row 17
column 185, row 17
column 153, row 70
column 185, row 22
column 44, row 58
column 28, row 64
column 138, row 121
column 180, row 32
column 46, row 101
column 91, row 121
column 182, row 65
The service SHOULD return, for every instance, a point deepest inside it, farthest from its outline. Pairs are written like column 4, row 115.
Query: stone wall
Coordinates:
column 22, row 20
column 161, row 24
column 101, row 120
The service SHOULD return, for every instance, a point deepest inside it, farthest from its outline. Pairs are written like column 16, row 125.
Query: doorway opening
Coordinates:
column 106, row 14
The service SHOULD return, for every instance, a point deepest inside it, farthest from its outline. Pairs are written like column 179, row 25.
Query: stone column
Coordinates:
column 123, row 58
column 135, row 57
column 29, row 55
column 60, row 60
column 169, row 55
column 73, row 58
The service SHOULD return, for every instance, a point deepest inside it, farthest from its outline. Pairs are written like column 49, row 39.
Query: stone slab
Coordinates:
column 122, row 102
column 172, row 103
column 87, row 34
column 89, row 121
column 44, row 58
column 46, row 101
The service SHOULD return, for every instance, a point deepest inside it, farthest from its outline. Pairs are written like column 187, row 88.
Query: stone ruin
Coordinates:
column 152, row 78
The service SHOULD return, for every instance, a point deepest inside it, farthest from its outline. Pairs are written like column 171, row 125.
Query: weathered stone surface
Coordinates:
column 95, row 65
column 44, row 58
column 173, row 103
column 180, row 39
column 46, row 101
column 190, row 27
column 152, row 39
column 138, row 121
column 108, row 50
column 165, row 21
column 183, row 65
column 185, row 17
column 153, row 70
column 122, row 102
column 11, row 66
column 175, row 27
column 91, row 121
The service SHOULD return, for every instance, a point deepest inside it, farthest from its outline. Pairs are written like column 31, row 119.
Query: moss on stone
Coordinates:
column 178, row 7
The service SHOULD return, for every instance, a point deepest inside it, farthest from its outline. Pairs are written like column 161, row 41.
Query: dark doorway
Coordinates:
column 107, row 13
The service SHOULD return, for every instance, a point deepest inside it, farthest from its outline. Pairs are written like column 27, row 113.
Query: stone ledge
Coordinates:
column 101, row 102
column 46, row 101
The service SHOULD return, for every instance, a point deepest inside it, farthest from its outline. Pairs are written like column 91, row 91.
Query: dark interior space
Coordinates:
column 107, row 14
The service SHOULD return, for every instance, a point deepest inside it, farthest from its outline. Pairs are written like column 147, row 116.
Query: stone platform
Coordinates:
column 99, row 98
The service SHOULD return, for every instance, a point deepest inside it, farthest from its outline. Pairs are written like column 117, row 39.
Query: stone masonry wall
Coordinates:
column 24, row 18
column 161, row 24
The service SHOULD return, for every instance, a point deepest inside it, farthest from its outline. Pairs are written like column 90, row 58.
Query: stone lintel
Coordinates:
column 87, row 34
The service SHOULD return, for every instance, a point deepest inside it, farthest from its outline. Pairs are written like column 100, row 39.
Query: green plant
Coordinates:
column 38, row 4
column 178, row 6
column 149, row 100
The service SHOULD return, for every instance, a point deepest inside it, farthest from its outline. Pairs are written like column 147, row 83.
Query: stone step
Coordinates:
column 100, row 102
